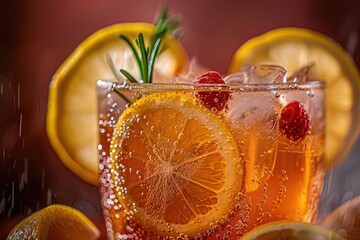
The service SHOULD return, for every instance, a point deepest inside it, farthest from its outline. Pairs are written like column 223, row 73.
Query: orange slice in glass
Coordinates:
column 55, row 222
column 294, row 48
column 290, row 231
column 72, row 106
column 175, row 165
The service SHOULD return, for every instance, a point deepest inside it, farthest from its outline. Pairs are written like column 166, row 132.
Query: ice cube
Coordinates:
column 258, row 74
column 304, row 74
column 194, row 70
column 247, row 109
column 253, row 116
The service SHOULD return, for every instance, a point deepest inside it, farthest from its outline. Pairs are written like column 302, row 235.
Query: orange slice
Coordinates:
column 290, row 231
column 55, row 222
column 72, row 107
column 294, row 48
column 175, row 164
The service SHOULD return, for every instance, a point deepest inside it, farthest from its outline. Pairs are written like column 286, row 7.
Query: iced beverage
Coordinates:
column 209, row 161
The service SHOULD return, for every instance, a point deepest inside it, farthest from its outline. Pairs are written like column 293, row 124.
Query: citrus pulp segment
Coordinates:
column 72, row 107
column 55, row 222
column 175, row 164
column 294, row 48
column 290, row 231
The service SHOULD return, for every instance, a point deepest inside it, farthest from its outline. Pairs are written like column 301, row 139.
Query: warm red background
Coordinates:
column 37, row 35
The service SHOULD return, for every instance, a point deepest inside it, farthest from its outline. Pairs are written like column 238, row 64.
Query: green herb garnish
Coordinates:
column 146, row 55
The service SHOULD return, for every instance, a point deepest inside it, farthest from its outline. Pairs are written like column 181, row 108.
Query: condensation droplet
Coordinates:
column 277, row 94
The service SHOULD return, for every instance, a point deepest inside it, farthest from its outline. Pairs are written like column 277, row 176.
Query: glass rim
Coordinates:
column 290, row 86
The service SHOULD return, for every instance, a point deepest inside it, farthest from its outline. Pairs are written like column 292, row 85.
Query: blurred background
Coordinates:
column 36, row 37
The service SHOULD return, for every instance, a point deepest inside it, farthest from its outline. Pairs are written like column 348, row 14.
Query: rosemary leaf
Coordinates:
column 144, row 58
column 128, row 76
column 153, row 55
column 127, row 40
column 160, row 24
column 147, row 54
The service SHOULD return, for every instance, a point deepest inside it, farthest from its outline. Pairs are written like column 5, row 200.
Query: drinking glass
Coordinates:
column 204, row 161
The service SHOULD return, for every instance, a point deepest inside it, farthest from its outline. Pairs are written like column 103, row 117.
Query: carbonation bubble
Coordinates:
column 277, row 94
column 181, row 136
column 311, row 93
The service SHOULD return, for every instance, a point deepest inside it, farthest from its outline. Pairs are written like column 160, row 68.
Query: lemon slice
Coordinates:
column 72, row 107
column 294, row 48
column 55, row 222
column 290, row 231
column 175, row 165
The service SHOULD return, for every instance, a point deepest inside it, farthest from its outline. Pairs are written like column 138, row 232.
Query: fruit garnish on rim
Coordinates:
column 214, row 100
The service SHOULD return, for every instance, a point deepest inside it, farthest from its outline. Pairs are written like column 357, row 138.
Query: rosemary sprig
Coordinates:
column 130, row 77
column 146, row 55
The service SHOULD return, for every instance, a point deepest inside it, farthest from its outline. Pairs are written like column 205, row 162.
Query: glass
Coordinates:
column 207, row 161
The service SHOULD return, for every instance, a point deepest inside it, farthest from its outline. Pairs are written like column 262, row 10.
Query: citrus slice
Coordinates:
column 294, row 48
column 55, row 222
column 290, row 231
column 72, row 107
column 177, row 165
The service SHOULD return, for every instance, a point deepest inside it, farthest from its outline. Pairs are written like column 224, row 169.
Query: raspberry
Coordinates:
column 214, row 100
column 294, row 121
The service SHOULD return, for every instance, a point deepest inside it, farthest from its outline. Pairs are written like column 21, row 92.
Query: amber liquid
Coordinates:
column 282, row 181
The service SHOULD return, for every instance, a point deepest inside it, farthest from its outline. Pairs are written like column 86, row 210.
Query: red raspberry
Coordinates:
column 294, row 121
column 214, row 100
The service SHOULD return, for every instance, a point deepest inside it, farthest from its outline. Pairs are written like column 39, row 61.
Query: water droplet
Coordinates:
column 311, row 93
column 277, row 94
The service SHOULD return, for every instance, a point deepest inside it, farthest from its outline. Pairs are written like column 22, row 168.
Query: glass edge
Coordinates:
column 103, row 83
column 316, row 84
